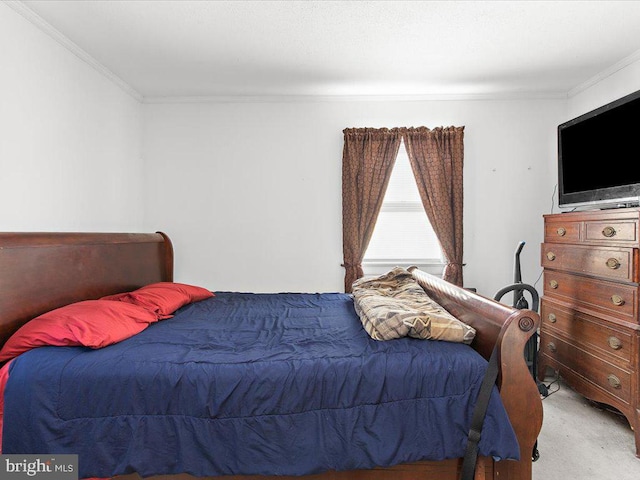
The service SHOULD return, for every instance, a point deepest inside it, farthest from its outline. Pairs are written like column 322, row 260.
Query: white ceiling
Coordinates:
column 233, row 48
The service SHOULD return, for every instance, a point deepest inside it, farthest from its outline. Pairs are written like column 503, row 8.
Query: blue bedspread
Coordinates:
column 285, row 384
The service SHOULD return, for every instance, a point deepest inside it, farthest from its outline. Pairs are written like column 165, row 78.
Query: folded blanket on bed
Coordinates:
column 394, row 305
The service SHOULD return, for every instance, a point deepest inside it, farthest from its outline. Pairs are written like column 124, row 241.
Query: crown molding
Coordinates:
column 72, row 47
column 615, row 68
column 158, row 100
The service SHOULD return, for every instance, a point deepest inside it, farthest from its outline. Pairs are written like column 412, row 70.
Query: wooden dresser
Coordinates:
column 590, row 329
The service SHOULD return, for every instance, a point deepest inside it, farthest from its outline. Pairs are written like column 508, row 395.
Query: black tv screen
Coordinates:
column 599, row 156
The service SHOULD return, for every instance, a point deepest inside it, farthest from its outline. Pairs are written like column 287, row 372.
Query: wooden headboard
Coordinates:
column 43, row 271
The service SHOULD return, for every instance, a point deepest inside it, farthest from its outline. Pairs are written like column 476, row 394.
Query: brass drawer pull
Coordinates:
column 553, row 284
column 552, row 317
column 551, row 256
column 608, row 232
column 614, row 381
column 613, row 263
column 561, row 231
column 615, row 343
column 617, row 300
column 552, row 347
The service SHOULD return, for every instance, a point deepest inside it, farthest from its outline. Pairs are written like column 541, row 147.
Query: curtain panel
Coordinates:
column 367, row 160
column 437, row 158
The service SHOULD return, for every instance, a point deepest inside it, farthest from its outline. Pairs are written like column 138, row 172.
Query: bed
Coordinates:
column 44, row 271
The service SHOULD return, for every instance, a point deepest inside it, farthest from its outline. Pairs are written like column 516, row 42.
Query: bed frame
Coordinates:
column 43, row 271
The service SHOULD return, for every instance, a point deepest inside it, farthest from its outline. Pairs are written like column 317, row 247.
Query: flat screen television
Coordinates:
column 599, row 156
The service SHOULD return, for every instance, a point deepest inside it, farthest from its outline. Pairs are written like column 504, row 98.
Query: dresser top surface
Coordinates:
column 606, row 214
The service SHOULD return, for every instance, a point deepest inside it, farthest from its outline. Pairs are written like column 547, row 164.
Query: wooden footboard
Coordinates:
column 43, row 271
column 510, row 329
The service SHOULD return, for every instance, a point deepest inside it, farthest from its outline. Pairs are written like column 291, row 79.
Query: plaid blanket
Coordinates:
column 394, row 305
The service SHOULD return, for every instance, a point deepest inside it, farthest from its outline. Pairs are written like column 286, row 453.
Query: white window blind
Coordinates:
column 403, row 235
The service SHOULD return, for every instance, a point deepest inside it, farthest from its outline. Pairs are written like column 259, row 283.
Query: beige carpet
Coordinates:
column 579, row 440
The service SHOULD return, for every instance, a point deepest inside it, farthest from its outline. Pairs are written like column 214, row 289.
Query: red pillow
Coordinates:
column 163, row 298
column 91, row 323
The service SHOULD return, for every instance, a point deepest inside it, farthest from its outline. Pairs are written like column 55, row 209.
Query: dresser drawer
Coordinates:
column 614, row 263
column 614, row 380
column 614, row 344
column 605, row 228
column 598, row 295
column 611, row 231
column 562, row 232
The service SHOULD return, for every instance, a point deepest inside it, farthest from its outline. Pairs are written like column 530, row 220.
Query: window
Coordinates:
column 403, row 235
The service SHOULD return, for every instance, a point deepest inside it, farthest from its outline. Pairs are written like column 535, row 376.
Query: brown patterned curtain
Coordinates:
column 367, row 160
column 437, row 158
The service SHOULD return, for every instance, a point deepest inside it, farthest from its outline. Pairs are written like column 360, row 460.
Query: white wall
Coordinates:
column 250, row 192
column 69, row 139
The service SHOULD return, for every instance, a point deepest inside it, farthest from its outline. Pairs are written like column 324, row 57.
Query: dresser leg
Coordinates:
column 635, row 425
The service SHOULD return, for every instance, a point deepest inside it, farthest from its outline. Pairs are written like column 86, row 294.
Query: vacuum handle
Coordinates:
column 517, row 274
